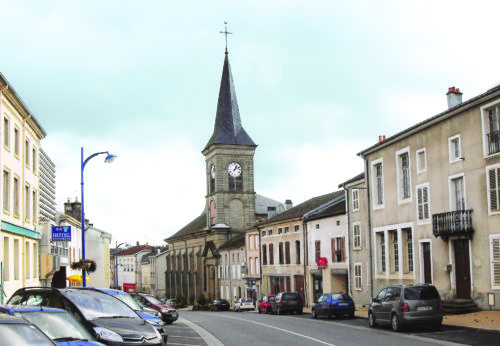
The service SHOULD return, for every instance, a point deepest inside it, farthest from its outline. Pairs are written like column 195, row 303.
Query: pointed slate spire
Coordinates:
column 228, row 129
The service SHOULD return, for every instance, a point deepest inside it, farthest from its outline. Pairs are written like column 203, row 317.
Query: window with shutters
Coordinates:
column 357, row 276
column 287, row 252
column 356, row 236
column 280, row 253
column 338, row 249
column 495, row 260
column 423, row 204
column 317, row 249
column 264, row 254
column 493, row 183
column 355, row 200
column 403, row 175
column 297, row 252
column 271, row 254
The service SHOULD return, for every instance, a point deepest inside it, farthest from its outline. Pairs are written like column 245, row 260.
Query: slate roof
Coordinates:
column 233, row 243
column 356, row 178
column 133, row 250
column 299, row 210
column 331, row 208
column 228, row 128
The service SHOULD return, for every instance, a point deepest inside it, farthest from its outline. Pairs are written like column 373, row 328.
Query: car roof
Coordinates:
column 30, row 308
column 7, row 319
column 111, row 291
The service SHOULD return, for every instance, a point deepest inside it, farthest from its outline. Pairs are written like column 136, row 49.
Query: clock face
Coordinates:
column 234, row 169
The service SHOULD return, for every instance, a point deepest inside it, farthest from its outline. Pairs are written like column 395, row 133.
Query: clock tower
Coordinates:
column 230, row 198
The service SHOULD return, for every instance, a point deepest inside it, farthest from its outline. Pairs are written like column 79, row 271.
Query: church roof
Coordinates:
column 261, row 204
column 228, row 128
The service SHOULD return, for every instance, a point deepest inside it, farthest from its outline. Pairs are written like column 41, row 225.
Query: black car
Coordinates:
column 108, row 320
column 220, row 305
column 287, row 302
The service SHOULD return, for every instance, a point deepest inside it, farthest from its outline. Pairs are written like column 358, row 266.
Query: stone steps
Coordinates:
column 459, row 306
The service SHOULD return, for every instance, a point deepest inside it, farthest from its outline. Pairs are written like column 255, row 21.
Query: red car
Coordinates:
column 265, row 304
column 168, row 313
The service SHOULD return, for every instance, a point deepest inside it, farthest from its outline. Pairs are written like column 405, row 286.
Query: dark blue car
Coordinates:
column 333, row 304
column 57, row 324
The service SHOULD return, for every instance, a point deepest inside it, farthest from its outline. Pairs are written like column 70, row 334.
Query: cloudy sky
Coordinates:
column 316, row 81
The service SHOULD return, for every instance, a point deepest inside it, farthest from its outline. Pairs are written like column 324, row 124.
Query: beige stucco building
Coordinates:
column 252, row 276
column 434, row 201
column 231, row 269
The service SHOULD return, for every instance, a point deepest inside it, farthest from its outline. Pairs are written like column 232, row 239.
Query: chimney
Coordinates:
column 271, row 211
column 73, row 209
column 454, row 97
column 288, row 204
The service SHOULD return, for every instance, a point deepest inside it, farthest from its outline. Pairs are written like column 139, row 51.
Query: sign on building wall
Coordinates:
column 322, row 262
column 61, row 233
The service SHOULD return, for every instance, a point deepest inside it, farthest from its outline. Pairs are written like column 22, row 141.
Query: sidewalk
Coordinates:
column 487, row 320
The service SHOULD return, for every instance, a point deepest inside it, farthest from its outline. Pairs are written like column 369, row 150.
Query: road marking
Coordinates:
column 184, row 336
column 209, row 338
column 173, row 343
column 281, row 329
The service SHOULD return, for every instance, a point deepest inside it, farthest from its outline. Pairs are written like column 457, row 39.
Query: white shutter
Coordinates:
column 420, row 203
column 494, row 177
column 496, row 261
column 425, row 202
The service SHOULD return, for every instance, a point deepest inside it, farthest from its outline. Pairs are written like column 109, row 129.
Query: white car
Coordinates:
column 244, row 304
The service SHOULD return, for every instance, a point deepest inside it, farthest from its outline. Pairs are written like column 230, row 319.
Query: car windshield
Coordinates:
column 247, row 300
column 421, row 293
column 153, row 300
column 57, row 324
column 340, row 297
column 17, row 334
column 94, row 305
column 127, row 299
column 290, row 296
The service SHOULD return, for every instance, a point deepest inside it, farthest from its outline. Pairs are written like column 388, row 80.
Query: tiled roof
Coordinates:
column 233, row 243
column 356, row 178
column 133, row 250
column 331, row 208
column 228, row 128
column 194, row 226
column 299, row 210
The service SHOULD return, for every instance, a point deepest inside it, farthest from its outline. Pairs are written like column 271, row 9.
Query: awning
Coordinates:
column 338, row 271
column 77, row 278
column 315, row 272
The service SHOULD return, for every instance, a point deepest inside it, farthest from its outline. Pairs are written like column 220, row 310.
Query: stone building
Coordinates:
column 231, row 204
column 232, row 268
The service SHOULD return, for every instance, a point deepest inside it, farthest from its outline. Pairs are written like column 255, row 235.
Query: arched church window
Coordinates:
column 212, row 213
column 212, row 179
column 235, row 176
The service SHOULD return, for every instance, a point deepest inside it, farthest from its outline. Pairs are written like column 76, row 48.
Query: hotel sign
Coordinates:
column 61, row 233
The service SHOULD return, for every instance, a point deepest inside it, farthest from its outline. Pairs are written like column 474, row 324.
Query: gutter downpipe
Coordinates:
column 349, row 277
column 304, row 230
column 370, row 250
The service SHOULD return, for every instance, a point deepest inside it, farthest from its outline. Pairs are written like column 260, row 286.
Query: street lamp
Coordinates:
column 109, row 158
column 116, row 263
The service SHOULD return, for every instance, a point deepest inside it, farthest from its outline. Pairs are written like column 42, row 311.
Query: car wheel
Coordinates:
column 299, row 312
column 371, row 320
column 314, row 314
column 169, row 322
column 395, row 323
column 351, row 314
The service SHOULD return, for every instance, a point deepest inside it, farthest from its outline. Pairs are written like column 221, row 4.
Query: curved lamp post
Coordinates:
column 116, row 263
column 109, row 158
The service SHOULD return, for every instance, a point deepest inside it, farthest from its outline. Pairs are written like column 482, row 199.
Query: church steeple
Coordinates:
column 228, row 128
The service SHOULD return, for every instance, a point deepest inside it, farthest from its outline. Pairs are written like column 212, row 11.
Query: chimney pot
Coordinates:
column 454, row 97
column 379, row 139
column 383, row 138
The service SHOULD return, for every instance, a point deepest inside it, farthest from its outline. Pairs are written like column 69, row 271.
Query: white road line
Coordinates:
column 183, row 336
column 281, row 329
column 210, row 339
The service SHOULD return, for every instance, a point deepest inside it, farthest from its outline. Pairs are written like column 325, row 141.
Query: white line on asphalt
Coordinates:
column 173, row 343
column 283, row 330
column 183, row 336
column 210, row 339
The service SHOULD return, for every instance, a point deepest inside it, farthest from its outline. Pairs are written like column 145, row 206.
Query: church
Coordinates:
column 231, row 203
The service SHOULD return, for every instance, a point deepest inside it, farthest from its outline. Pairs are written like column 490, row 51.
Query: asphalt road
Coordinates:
column 250, row 328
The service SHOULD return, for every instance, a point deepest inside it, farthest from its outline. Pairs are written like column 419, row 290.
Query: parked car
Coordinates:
column 244, row 304
column 57, row 324
column 151, row 316
column 169, row 314
column 220, row 305
column 19, row 332
column 287, row 302
column 265, row 303
column 170, row 302
column 400, row 305
column 109, row 322
column 333, row 304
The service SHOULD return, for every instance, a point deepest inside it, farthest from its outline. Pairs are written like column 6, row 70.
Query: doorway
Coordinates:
column 462, row 268
column 426, row 258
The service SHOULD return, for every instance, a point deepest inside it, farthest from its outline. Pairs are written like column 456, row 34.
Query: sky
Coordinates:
column 316, row 83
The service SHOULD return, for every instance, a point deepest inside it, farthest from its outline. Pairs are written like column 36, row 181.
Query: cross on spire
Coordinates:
column 225, row 32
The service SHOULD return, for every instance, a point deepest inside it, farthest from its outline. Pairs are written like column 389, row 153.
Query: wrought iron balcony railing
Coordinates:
column 493, row 142
column 452, row 223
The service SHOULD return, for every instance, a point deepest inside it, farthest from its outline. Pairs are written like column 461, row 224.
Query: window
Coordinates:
column 6, row 191
column 271, row 254
column 495, row 260
column 457, row 193
column 493, row 183
column 250, row 265
column 455, row 152
column 33, row 209
column 357, row 276
column 382, row 268
column 297, row 252
column 6, row 258
column 27, row 260
column 280, row 253
column 355, row 200
column 263, row 233
column 317, row 247
column 395, row 251
column 16, row 196
column 491, row 139
column 403, row 174
column 16, row 141
column 270, row 232
column 378, row 184
column 280, row 230
column 421, row 161
column 35, row 261
column 27, row 152
column 212, row 179
column 356, row 234
column 296, row 228
column 17, row 260
column 6, row 132
column 338, row 222
column 287, row 229
column 317, row 226
column 423, row 213
column 407, row 234
column 287, row 252
column 212, row 213
column 27, row 202
column 251, row 242
column 257, row 266
column 34, row 160
column 338, row 249
column 264, row 254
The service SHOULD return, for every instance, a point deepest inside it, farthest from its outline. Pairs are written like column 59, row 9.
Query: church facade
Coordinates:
column 231, row 203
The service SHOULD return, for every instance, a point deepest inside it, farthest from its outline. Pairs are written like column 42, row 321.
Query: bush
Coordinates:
column 202, row 300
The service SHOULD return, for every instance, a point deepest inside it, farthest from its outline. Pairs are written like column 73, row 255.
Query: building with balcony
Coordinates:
column 434, row 201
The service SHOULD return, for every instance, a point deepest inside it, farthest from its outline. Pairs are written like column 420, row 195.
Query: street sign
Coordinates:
column 322, row 261
column 61, row 233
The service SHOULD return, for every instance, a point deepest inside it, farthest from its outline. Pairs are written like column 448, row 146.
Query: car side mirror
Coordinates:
column 375, row 300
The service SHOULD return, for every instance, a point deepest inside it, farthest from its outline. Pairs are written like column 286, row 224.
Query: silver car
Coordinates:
column 400, row 305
